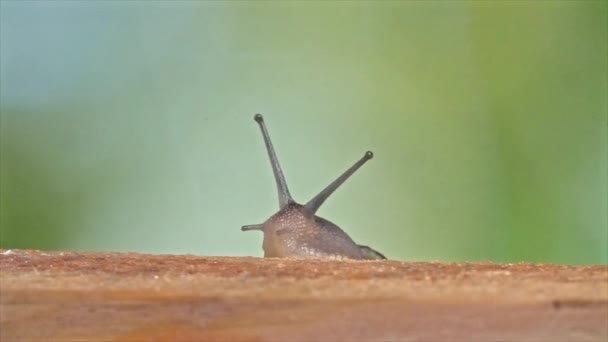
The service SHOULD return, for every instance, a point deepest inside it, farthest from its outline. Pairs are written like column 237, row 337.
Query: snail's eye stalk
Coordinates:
column 284, row 195
column 314, row 204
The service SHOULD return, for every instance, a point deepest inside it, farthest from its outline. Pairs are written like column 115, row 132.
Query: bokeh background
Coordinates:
column 128, row 126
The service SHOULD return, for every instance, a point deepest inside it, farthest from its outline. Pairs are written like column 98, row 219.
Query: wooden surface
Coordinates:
column 124, row 296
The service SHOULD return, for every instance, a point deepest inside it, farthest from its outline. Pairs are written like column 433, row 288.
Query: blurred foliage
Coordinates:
column 128, row 125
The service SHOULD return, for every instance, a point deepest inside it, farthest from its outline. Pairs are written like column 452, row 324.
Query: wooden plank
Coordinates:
column 65, row 296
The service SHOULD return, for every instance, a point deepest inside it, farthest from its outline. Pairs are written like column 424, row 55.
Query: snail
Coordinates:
column 295, row 230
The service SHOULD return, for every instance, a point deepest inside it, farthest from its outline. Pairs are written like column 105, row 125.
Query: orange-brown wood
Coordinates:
column 66, row 296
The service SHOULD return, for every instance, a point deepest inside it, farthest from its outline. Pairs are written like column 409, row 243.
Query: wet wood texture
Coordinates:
column 64, row 296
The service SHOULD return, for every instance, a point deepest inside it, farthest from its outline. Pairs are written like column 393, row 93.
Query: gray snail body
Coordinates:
column 295, row 230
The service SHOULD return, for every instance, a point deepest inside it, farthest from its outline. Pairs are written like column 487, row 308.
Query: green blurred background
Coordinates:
column 128, row 126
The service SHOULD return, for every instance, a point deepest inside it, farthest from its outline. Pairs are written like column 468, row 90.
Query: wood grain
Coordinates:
column 66, row 296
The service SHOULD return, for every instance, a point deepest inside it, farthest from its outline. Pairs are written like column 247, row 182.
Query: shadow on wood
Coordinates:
column 124, row 296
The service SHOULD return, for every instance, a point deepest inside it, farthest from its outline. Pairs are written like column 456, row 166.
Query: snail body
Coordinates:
column 296, row 231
